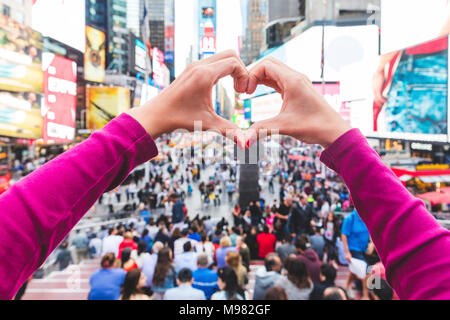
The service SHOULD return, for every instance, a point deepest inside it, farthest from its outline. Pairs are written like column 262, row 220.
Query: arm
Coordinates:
column 409, row 240
column 411, row 244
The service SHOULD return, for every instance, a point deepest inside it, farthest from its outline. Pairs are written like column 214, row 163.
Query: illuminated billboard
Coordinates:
column 104, row 104
column 207, row 29
column 414, row 103
column 158, row 66
column 61, row 20
column 95, row 55
column 20, row 57
column 59, row 107
column 20, row 115
column 169, row 31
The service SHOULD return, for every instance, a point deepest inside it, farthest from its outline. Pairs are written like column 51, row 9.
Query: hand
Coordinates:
column 305, row 115
column 377, row 87
column 348, row 257
column 188, row 98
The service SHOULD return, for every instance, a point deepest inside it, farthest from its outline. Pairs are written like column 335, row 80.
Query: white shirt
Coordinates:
column 111, row 243
column 179, row 243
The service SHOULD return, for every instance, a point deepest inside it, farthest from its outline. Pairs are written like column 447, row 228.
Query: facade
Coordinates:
column 134, row 16
column 255, row 17
column 19, row 10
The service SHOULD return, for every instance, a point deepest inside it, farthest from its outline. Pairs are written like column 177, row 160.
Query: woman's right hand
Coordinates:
column 304, row 115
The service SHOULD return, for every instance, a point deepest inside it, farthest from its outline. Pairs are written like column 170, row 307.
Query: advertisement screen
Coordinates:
column 104, row 104
column 20, row 115
column 61, row 20
column 59, row 108
column 405, row 23
column 20, row 57
column 207, row 29
column 415, row 105
column 95, row 55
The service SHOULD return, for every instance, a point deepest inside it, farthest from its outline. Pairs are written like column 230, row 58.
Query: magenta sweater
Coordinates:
column 412, row 245
column 39, row 211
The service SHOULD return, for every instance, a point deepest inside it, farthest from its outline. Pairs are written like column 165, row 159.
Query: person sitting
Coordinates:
column 327, row 279
column 276, row 293
column 266, row 276
column 133, row 286
column 106, row 282
column 229, row 286
column 234, row 260
column 286, row 247
column 188, row 259
column 221, row 252
column 334, row 293
column 205, row 279
column 266, row 242
column 184, row 291
column 382, row 291
column 309, row 257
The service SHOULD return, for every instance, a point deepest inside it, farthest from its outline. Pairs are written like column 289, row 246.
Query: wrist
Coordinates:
column 335, row 133
column 152, row 117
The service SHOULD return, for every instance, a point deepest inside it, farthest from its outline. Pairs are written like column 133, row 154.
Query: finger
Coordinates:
column 230, row 67
column 220, row 56
column 262, row 129
column 227, row 129
column 268, row 72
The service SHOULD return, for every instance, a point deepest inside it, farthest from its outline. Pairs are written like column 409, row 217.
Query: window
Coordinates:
column 6, row 10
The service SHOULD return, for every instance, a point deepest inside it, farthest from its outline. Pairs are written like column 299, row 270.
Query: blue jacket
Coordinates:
column 206, row 280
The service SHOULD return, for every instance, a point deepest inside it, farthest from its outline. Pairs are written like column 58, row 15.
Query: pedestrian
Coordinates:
column 127, row 263
column 266, row 242
column 64, row 257
column 309, row 257
column 266, row 276
column 81, row 243
column 221, row 253
column 234, row 261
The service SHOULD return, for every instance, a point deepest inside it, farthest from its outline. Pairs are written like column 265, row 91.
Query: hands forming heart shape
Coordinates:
column 304, row 115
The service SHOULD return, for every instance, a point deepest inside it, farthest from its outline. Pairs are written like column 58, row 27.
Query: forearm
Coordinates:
column 41, row 209
column 411, row 244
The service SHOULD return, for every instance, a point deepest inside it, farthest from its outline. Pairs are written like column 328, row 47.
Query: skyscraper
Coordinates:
column 97, row 14
column 156, row 11
column 255, row 19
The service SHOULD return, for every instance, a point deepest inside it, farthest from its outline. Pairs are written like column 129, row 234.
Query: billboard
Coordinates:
column 405, row 23
column 61, row 20
column 104, row 104
column 59, row 107
column 158, row 66
column 20, row 115
column 20, row 57
column 169, row 31
column 95, row 55
column 415, row 91
column 137, row 55
column 207, row 29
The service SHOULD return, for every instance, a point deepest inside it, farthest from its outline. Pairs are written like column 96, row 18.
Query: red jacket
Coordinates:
column 125, row 244
column 266, row 242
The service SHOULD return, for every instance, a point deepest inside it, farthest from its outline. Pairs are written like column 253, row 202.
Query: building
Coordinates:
column 117, row 53
column 18, row 10
column 156, row 12
column 97, row 14
column 343, row 12
column 255, row 19
column 134, row 16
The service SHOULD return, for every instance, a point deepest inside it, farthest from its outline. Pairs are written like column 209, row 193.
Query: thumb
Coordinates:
column 261, row 130
column 229, row 130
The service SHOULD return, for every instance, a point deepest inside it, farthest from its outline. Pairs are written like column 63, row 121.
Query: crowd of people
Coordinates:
column 303, row 236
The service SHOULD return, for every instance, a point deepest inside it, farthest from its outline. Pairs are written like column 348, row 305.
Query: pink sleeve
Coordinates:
column 412, row 245
column 39, row 211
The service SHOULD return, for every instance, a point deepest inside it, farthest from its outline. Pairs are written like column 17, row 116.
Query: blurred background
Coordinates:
column 67, row 68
